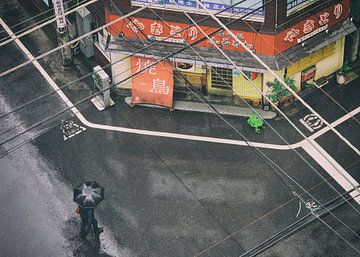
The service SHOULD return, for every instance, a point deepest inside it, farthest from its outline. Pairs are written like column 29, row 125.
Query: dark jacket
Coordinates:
column 87, row 215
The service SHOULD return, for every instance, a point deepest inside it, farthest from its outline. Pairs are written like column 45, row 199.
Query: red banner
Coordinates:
column 267, row 44
column 176, row 32
column 313, row 25
column 154, row 85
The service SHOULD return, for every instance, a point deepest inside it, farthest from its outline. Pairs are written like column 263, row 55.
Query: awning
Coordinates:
column 242, row 59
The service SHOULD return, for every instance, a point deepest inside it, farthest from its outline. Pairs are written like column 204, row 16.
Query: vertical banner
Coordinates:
column 154, row 85
column 59, row 13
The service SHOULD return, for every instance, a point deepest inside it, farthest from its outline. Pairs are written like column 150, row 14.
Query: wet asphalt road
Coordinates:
column 164, row 197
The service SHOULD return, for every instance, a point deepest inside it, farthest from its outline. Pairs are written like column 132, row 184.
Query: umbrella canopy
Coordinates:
column 88, row 194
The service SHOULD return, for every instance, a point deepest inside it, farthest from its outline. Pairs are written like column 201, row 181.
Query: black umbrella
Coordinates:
column 88, row 194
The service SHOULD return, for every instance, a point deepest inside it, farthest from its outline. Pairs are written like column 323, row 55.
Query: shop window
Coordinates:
column 221, row 78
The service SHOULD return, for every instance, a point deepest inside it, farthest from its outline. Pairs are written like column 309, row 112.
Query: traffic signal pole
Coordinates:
column 62, row 33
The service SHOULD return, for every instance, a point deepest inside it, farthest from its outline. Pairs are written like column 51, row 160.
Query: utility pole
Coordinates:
column 62, row 33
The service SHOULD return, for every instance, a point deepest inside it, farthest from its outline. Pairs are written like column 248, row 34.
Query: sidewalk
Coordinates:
column 222, row 109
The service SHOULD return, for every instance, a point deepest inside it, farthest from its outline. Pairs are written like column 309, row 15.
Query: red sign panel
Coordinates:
column 179, row 33
column 312, row 25
column 267, row 44
column 154, row 85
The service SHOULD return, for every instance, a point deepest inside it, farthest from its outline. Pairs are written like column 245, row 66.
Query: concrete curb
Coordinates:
column 204, row 108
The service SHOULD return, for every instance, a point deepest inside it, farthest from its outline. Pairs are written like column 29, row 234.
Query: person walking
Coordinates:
column 88, row 221
column 88, row 195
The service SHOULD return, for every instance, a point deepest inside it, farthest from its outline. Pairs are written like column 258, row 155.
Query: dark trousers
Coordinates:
column 86, row 228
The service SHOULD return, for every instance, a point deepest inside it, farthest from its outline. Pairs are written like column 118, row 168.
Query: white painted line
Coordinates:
column 137, row 131
column 184, row 136
column 332, row 167
column 159, row 133
column 335, row 123
column 39, row 67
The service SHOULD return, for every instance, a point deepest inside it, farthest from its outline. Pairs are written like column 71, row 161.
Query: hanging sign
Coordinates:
column 154, row 85
column 59, row 13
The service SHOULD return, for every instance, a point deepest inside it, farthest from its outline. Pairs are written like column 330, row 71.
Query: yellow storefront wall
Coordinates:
column 249, row 90
column 121, row 69
column 241, row 87
column 327, row 61
column 197, row 76
column 216, row 91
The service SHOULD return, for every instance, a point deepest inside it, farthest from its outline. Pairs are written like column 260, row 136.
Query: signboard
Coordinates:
column 266, row 44
column 313, row 25
column 296, row 5
column 59, row 13
column 154, row 85
column 242, row 8
column 179, row 33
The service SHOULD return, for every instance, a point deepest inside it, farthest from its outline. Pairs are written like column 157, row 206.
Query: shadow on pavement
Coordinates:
column 81, row 248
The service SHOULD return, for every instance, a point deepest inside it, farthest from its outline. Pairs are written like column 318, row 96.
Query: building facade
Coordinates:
column 299, row 39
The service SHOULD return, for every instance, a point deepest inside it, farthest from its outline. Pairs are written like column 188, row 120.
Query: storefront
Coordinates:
column 308, row 50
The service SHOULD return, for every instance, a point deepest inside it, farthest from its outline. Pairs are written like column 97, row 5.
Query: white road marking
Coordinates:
column 311, row 122
column 166, row 134
column 332, row 167
column 319, row 154
column 335, row 123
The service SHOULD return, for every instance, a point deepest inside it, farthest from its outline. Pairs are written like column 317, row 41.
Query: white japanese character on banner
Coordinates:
column 156, row 29
column 324, row 19
column 175, row 31
column 291, row 34
column 193, row 33
column 338, row 9
column 145, row 64
column 135, row 25
column 235, row 44
column 308, row 26
column 159, row 86
column 240, row 36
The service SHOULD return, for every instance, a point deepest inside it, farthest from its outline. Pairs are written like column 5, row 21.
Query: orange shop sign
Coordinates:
column 266, row 44
column 154, row 85
column 179, row 33
column 313, row 25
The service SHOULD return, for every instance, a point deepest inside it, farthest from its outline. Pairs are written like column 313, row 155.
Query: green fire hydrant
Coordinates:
column 255, row 122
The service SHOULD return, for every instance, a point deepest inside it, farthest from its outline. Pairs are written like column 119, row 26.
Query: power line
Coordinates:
column 308, row 218
column 134, row 74
column 292, row 92
column 281, row 177
column 325, row 224
column 105, row 66
column 289, row 61
column 45, row 23
column 279, row 79
column 72, row 41
column 33, row 18
column 138, row 51
column 263, row 216
column 166, row 57
column 283, row 139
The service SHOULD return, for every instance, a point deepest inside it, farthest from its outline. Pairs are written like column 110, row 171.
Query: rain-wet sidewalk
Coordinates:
column 229, row 110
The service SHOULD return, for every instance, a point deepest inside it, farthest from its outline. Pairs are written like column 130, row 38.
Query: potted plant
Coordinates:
column 340, row 74
column 278, row 93
column 255, row 122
